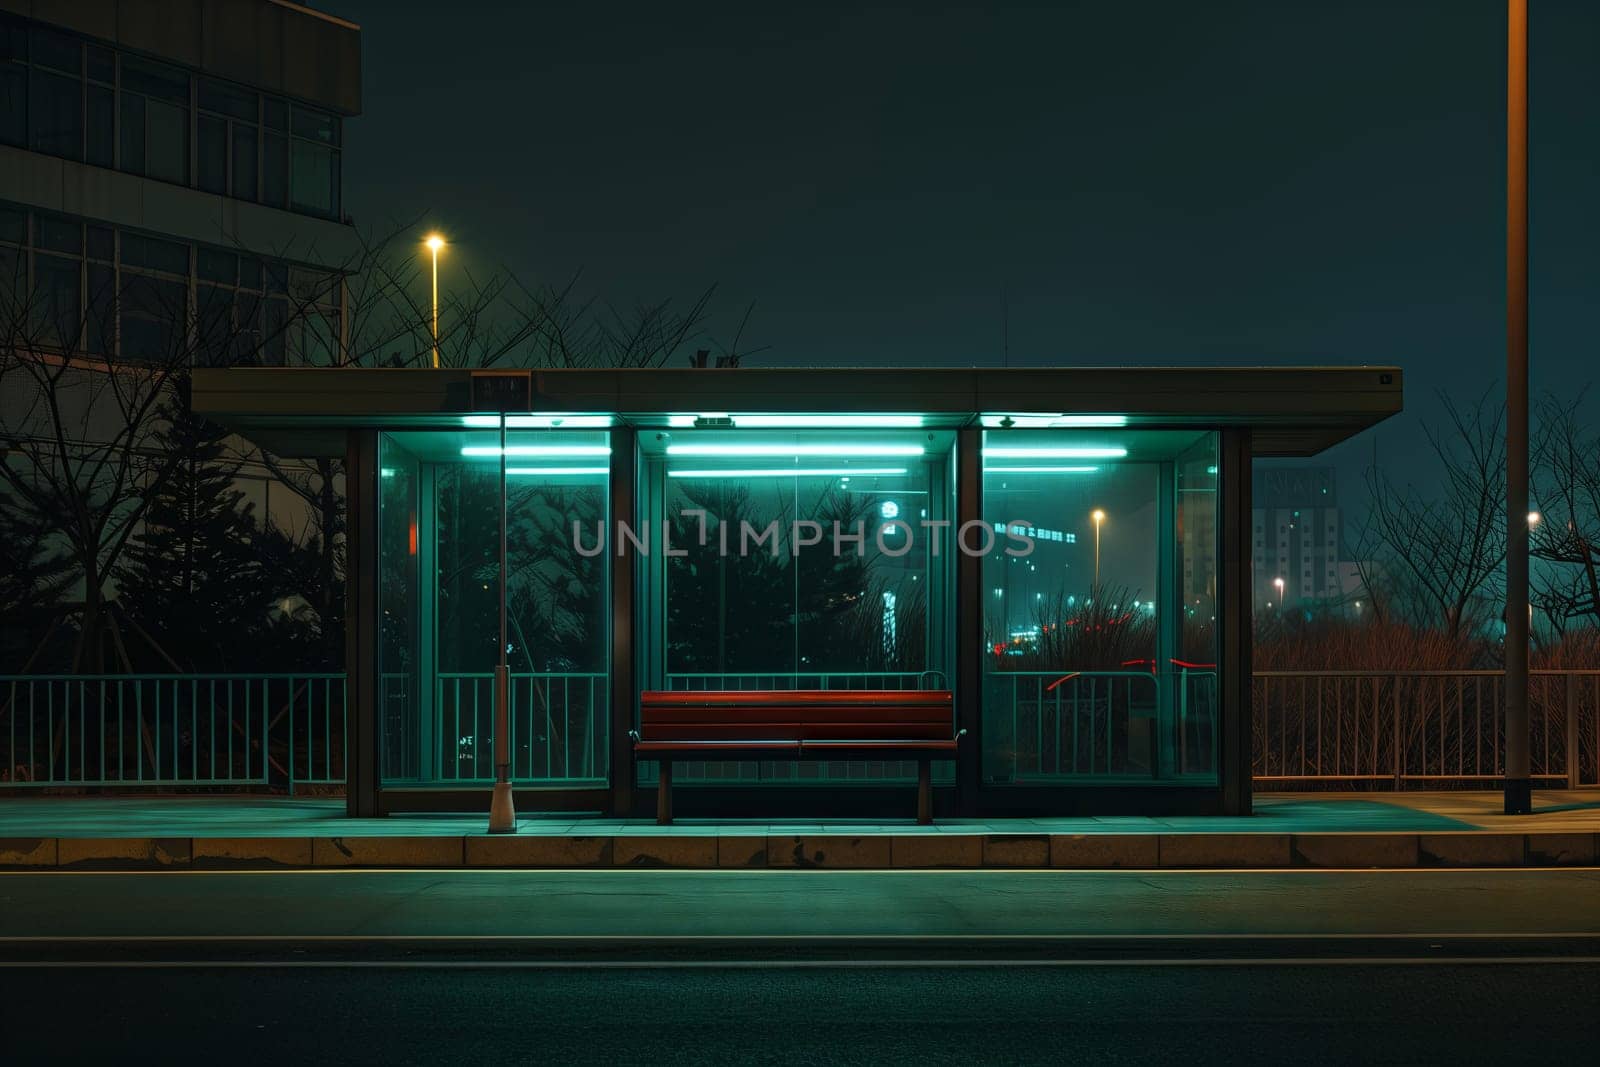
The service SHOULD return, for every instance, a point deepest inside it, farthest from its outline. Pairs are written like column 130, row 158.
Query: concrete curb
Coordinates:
column 823, row 851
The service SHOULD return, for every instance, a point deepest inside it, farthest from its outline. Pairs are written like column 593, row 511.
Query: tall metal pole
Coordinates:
column 1518, row 788
column 502, row 813
column 434, row 245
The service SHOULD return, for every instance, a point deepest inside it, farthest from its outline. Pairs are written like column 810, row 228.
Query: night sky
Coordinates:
column 1068, row 183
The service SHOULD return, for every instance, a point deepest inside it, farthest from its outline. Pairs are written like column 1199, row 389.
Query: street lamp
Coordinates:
column 1278, row 582
column 1533, row 519
column 434, row 243
column 1098, row 516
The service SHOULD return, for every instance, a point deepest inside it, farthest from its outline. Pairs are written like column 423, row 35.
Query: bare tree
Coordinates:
column 1444, row 549
column 1566, row 491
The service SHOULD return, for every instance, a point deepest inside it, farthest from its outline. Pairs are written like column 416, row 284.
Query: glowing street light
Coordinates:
column 1278, row 582
column 1098, row 516
column 434, row 243
column 1533, row 519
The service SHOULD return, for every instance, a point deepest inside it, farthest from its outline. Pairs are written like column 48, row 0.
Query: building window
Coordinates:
column 155, row 120
column 154, row 297
column 314, row 163
column 55, row 95
column 228, row 131
column 59, row 95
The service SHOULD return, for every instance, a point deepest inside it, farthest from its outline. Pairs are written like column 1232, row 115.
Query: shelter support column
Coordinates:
column 1234, row 604
column 624, row 625
column 969, row 623
column 361, row 624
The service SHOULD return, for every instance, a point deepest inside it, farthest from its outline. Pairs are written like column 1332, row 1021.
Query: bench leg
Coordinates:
column 924, row 791
column 664, row 793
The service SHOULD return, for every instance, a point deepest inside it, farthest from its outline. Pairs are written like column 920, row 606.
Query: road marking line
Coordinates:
column 1131, row 872
column 671, row 965
column 31, row 939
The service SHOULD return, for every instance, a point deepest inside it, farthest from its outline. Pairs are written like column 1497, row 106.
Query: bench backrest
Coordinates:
column 797, row 715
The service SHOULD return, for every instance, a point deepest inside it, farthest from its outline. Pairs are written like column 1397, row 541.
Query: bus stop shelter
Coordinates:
column 1066, row 550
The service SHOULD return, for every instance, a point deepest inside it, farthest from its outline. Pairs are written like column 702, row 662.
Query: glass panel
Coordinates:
column 250, row 273
column 56, row 114
column 13, row 104
column 244, row 161
column 101, row 143
column 311, row 183
column 100, row 318
column 102, row 65
column 1096, row 667
column 153, row 313
column 402, row 735
column 56, row 51
column 274, row 328
column 132, row 133
column 211, row 156
column 247, row 329
column 13, row 225
column 155, row 80
column 274, row 170
column 214, row 315
column 227, row 100
column 801, row 560
column 102, row 243
column 215, row 265
column 167, row 142
column 60, row 235
column 557, row 600
column 57, row 309
column 141, row 251
column 315, row 126
column 274, row 113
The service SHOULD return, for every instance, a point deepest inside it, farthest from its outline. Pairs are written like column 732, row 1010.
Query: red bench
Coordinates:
column 805, row 724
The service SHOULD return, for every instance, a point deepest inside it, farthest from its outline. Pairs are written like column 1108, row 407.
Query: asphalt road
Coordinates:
column 665, row 967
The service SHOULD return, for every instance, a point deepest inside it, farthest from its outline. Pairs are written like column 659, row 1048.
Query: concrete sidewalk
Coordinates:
column 1288, row 830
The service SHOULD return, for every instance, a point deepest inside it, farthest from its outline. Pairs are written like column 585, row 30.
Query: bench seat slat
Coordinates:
column 796, row 713
column 876, row 698
column 928, row 730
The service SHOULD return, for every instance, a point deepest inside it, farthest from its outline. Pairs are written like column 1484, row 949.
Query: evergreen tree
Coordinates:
column 33, row 574
column 191, row 576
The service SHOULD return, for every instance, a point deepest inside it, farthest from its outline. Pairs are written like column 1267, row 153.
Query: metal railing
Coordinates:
column 1391, row 729
column 170, row 730
column 1349, row 729
column 560, row 727
column 1044, row 727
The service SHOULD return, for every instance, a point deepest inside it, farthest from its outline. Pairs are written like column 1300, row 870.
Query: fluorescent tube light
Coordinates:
column 538, row 422
column 754, row 450
column 1040, row 470
column 538, row 450
column 1074, row 452
column 787, row 472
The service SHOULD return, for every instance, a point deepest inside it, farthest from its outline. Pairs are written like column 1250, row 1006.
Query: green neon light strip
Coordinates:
column 554, row 421
column 535, row 471
column 538, row 450
column 1078, row 452
column 787, row 472
column 803, row 422
column 1038, row 421
column 1040, row 470
column 765, row 451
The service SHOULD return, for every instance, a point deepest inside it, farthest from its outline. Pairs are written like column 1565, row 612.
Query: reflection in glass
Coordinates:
column 1100, row 640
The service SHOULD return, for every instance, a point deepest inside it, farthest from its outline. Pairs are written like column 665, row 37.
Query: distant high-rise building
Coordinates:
column 1296, row 534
